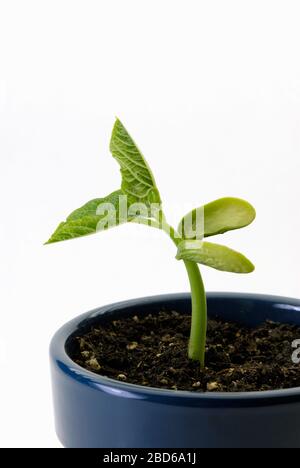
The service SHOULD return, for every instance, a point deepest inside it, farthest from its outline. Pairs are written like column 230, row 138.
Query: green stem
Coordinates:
column 197, row 341
column 196, row 350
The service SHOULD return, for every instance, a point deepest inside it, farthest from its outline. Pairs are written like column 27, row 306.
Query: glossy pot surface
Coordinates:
column 95, row 411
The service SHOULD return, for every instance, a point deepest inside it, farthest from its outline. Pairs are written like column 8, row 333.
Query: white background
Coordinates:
column 211, row 93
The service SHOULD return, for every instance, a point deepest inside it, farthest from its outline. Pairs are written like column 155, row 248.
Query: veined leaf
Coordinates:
column 217, row 217
column 143, row 204
column 101, row 214
column 215, row 256
column 90, row 208
column 137, row 178
column 96, row 215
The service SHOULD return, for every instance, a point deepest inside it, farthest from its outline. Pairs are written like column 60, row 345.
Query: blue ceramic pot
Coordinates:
column 95, row 411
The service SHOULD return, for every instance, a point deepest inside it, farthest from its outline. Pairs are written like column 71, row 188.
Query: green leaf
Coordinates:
column 96, row 215
column 217, row 217
column 137, row 179
column 215, row 256
column 143, row 204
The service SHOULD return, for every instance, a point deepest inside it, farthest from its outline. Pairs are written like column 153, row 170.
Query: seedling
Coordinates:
column 139, row 201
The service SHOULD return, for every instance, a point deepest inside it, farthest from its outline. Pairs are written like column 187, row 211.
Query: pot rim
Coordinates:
column 105, row 384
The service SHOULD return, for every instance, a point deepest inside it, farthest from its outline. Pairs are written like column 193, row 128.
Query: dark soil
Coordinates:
column 152, row 351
